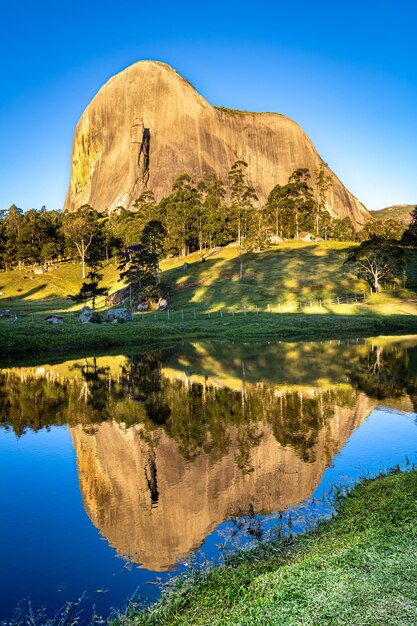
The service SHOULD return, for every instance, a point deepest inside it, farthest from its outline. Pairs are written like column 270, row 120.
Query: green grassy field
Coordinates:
column 359, row 568
column 292, row 281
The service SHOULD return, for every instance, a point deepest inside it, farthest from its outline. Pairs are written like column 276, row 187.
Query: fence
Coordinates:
column 194, row 313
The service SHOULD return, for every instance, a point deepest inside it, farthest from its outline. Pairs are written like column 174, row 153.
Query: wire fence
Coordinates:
column 190, row 312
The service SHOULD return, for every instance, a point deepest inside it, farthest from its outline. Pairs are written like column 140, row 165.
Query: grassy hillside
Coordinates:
column 285, row 290
column 282, row 274
column 396, row 212
column 357, row 569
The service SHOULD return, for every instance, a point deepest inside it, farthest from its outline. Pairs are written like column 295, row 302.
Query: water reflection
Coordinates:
column 170, row 443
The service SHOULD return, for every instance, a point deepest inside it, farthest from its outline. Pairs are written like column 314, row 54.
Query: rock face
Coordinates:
column 147, row 125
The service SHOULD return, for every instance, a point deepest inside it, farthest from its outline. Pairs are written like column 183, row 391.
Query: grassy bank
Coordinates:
column 29, row 338
column 359, row 569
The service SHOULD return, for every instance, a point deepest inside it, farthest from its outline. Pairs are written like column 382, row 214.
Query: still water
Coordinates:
column 115, row 469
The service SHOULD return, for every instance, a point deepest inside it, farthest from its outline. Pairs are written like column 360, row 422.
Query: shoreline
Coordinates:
column 24, row 339
column 358, row 567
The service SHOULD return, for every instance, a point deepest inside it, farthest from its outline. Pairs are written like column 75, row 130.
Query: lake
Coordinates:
column 117, row 469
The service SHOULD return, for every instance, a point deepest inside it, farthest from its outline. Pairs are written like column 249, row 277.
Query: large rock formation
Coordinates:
column 147, row 125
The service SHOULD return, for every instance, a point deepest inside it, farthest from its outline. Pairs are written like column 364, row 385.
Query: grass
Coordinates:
column 357, row 569
column 293, row 280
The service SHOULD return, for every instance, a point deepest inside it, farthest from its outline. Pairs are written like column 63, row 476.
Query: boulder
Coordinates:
column 54, row 319
column 143, row 306
column 88, row 316
column 162, row 304
column 115, row 315
column 38, row 270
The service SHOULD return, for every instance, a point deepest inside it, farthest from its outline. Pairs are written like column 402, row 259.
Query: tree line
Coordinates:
column 196, row 215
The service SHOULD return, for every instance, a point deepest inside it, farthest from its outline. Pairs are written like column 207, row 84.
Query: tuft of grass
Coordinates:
column 359, row 568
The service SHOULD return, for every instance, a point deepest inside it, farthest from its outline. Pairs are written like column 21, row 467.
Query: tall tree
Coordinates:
column 80, row 228
column 299, row 199
column 213, row 219
column 242, row 197
column 13, row 224
column 322, row 185
column 178, row 212
column 275, row 207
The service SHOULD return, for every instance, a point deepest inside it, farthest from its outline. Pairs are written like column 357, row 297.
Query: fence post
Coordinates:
column 233, row 312
column 182, row 314
column 338, row 300
column 347, row 300
column 244, row 311
column 221, row 313
column 321, row 304
column 168, row 315
column 142, row 317
column 256, row 309
column 268, row 308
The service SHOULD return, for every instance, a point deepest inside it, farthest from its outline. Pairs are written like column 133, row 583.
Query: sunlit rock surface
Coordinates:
column 147, row 125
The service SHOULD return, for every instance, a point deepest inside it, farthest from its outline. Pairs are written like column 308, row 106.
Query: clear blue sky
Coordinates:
column 346, row 71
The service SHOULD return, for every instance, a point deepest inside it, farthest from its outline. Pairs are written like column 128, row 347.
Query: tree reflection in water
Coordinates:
column 169, row 443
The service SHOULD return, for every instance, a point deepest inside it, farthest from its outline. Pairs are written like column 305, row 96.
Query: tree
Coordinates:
column 145, row 207
column 299, row 199
column 12, row 226
column 152, row 241
column 410, row 236
column 377, row 259
column 340, row 229
column 275, row 207
column 322, row 186
column 242, row 197
column 213, row 226
column 91, row 290
column 140, row 263
column 80, row 228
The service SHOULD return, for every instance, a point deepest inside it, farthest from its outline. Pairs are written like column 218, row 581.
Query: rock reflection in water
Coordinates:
column 155, row 505
column 170, row 443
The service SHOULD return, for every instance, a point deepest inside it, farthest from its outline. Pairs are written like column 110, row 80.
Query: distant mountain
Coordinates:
column 147, row 125
column 396, row 212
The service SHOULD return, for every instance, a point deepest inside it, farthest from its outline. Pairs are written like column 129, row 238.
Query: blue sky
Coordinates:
column 345, row 71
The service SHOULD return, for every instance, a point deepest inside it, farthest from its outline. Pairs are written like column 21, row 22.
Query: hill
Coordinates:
column 396, row 212
column 274, row 276
column 147, row 125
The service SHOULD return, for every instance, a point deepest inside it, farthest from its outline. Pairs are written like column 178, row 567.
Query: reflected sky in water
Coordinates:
column 117, row 466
